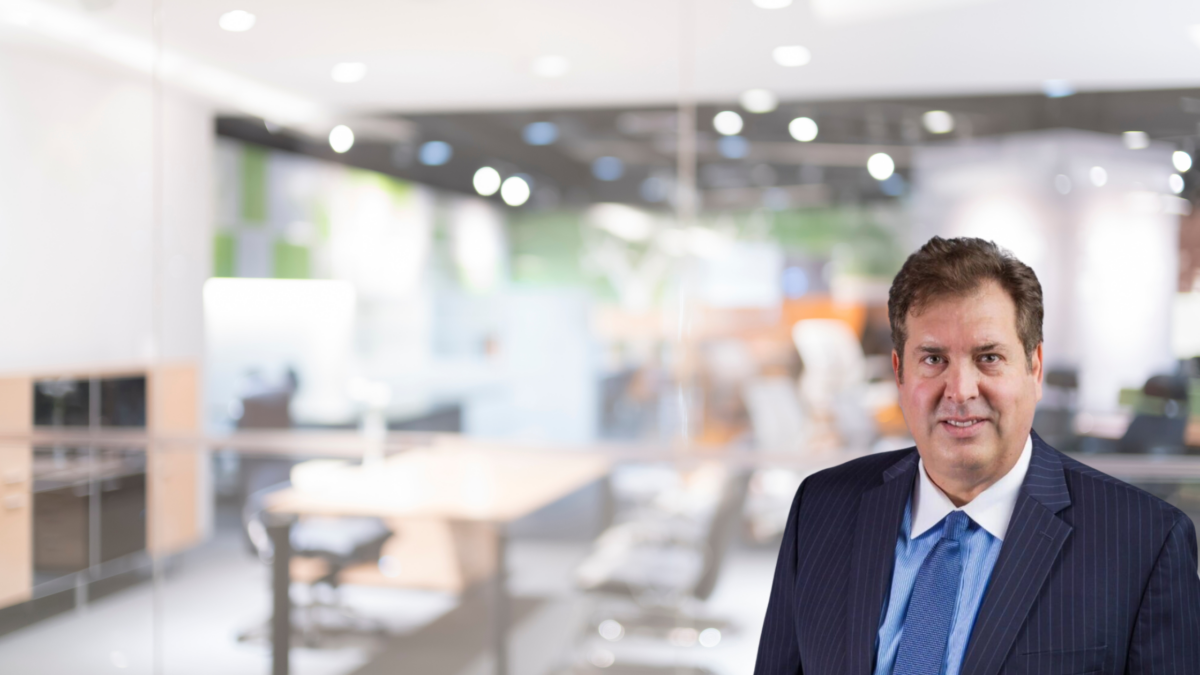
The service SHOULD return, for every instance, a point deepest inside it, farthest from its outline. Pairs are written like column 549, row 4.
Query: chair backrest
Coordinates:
column 252, row 520
column 721, row 530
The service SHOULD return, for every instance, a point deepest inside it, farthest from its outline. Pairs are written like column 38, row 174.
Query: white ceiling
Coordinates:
column 428, row 55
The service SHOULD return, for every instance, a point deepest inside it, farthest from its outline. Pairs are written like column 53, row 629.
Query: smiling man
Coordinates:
column 982, row 550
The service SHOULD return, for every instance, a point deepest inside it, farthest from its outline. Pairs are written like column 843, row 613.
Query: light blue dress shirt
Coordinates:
column 993, row 509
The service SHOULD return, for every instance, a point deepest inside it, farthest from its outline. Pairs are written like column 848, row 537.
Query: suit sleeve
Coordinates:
column 1166, row 636
column 778, row 650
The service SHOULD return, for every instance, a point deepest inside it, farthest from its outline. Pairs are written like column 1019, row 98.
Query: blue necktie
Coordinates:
column 931, row 609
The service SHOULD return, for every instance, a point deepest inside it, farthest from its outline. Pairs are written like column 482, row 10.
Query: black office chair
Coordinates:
column 1160, row 423
column 331, row 545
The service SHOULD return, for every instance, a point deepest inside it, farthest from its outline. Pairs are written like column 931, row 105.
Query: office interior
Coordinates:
column 464, row 337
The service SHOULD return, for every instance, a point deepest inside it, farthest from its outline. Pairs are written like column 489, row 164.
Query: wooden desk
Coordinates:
column 487, row 486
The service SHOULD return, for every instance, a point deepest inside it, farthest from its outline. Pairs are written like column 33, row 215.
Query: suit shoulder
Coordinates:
column 859, row 473
column 1090, row 483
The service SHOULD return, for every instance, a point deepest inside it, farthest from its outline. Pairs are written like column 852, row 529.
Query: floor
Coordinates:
column 219, row 590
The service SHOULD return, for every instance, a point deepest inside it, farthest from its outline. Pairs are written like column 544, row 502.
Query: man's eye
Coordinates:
column 933, row 360
column 990, row 358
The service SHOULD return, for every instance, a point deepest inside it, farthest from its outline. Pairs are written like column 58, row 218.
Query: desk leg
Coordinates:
column 280, row 529
column 500, row 603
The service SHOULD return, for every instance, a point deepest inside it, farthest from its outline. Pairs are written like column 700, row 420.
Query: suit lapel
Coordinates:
column 880, row 513
column 1035, row 536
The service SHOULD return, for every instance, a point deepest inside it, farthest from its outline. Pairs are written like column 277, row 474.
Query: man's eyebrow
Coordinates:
column 989, row 347
column 931, row 349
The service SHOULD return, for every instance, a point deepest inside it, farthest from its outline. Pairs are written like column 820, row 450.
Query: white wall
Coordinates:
column 75, row 215
column 1106, row 255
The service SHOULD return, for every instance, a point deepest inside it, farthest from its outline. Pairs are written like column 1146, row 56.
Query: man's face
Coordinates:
column 968, row 393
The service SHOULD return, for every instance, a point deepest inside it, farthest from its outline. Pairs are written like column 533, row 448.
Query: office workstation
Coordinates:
column 464, row 337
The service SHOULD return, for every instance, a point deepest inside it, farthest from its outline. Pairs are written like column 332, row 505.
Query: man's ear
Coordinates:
column 896, row 368
column 1035, row 367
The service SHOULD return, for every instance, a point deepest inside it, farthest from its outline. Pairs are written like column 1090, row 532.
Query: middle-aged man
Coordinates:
column 982, row 550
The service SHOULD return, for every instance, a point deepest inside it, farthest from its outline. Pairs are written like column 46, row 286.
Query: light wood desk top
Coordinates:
column 456, row 483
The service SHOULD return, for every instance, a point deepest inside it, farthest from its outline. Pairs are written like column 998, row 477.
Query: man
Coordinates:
column 983, row 550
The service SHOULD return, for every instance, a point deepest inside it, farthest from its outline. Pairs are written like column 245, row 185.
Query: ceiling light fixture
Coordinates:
column 1175, row 182
column 435, row 153
column 881, row 166
column 733, row 147
column 341, row 138
column 1057, row 88
column 237, row 21
column 551, row 66
column 728, row 123
column 1098, row 175
column 803, row 129
column 759, row 101
column 608, row 169
column 514, row 191
column 791, row 56
column 486, row 181
column 1182, row 161
column 772, row 4
column 938, row 122
column 1136, row 140
column 540, row 133
column 349, row 72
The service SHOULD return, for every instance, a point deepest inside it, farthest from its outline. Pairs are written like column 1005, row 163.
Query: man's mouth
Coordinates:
column 964, row 423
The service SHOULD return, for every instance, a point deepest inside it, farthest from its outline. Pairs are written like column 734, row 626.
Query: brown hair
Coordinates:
column 955, row 267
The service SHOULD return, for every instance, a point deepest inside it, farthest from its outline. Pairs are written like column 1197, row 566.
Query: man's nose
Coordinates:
column 962, row 383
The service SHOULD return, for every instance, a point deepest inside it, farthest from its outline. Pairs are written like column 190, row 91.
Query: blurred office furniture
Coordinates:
column 1054, row 419
column 322, row 548
column 833, row 385
column 266, row 405
column 777, row 419
column 98, row 470
column 449, row 483
column 668, row 566
column 1161, row 417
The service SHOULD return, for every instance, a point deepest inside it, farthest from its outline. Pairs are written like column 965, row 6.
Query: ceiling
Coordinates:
column 459, row 55
column 776, row 171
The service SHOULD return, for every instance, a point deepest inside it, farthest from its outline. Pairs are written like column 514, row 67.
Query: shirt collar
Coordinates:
column 991, row 509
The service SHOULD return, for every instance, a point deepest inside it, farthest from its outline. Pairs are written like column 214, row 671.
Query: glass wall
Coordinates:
column 466, row 337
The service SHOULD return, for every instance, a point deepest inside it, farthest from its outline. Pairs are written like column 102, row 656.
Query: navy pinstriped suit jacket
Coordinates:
column 1095, row 576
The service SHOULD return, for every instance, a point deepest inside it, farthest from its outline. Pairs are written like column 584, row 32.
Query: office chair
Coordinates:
column 1159, row 426
column 321, row 548
column 667, row 568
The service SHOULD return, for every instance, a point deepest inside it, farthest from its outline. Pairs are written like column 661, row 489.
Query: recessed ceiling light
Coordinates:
column 1136, row 140
column 341, row 138
column 1182, row 161
column 551, row 66
column 1175, row 182
column 608, row 168
column 727, row 123
column 348, row 72
column 772, row 4
column 759, row 100
column 803, row 129
column 435, row 153
column 733, row 147
column 540, row 133
column 1057, row 88
column 237, row 21
column 514, row 191
column 938, row 122
column 1062, row 183
column 1098, row 175
column 486, row 181
column 881, row 166
column 791, row 56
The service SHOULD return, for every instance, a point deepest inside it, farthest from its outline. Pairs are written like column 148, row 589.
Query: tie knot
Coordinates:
column 955, row 524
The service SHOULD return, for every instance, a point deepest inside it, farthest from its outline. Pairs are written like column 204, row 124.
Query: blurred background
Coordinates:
column 463, row 337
